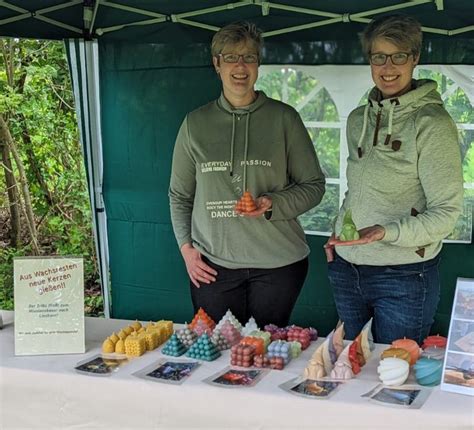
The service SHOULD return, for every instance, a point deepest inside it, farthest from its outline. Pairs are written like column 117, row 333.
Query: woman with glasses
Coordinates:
column 405, row 193
column 254, row 261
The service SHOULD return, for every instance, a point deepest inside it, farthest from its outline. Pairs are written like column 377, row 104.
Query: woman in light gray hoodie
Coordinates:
column 405, row 193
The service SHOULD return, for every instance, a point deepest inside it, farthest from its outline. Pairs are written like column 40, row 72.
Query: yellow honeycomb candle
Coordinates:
column 152, row 340
column 168, row 326
column 161, row 331
column 135, row 345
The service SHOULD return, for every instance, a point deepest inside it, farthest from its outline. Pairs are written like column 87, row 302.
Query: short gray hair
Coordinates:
column 402, row 30
column 235, row 34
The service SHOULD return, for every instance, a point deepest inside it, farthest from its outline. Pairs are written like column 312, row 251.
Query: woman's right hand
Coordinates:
column 329, row 249
column 198, row 270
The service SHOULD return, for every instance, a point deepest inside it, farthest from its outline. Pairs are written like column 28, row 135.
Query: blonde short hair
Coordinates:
column 401, row 30
column 235, row 34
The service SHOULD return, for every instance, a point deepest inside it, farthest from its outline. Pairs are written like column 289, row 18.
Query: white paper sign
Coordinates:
column 458, row 371
column 49, row 305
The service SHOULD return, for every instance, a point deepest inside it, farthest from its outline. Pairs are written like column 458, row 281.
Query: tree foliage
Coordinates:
column 37, row 104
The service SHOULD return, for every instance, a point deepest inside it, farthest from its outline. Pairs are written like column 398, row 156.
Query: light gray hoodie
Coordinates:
column 404, row 173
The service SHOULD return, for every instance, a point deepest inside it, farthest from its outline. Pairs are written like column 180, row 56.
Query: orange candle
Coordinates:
column 411, row 346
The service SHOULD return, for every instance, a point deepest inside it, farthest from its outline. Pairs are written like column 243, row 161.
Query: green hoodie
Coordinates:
column 404, row 173
column 222, row 151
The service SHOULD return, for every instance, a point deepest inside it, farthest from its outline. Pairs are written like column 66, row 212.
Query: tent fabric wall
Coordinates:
column 83, row 62
column 145, row 105
column 147, row 90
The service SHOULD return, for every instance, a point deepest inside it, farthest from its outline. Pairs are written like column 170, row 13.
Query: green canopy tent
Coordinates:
column 139, row 66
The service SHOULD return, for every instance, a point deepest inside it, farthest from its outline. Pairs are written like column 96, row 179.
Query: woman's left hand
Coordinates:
column 263, row 204
column 367, row 235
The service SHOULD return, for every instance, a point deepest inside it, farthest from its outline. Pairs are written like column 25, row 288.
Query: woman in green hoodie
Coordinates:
column 252, row 262
column 405, row 193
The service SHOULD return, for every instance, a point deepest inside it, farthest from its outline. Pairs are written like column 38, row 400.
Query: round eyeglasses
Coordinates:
column 234, row 58
column 398, row 58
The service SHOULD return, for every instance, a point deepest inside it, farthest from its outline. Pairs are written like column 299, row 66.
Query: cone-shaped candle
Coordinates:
column 315, row 367
column 367, row 340
column 343, row 368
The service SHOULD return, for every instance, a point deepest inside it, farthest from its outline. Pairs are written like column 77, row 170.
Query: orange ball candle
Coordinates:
column 411, row 346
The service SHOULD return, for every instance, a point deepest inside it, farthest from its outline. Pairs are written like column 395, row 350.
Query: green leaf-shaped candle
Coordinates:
column 349, row 229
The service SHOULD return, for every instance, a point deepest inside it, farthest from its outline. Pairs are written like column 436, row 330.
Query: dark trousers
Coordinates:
column 402, row 299
column 268, row 295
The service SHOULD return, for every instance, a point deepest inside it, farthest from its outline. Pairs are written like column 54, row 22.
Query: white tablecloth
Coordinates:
column 45, row 392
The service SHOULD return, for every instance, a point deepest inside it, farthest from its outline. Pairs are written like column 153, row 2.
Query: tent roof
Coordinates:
column 448, row 24
column 58, row 19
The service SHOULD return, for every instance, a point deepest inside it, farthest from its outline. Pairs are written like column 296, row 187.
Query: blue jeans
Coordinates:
column 402, row 299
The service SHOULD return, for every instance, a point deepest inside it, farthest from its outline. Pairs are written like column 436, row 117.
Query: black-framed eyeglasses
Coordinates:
column 397, row 58
column 234, row 58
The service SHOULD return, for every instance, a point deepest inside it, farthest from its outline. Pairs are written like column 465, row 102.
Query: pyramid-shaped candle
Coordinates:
column 202, row 327
column 187, row 336
column 250, row 326
column 229, row 316
column 202, row 315
column 246, row 203
column 174, row 347
column 231, row 334
column 203, row 349
column 219, row 340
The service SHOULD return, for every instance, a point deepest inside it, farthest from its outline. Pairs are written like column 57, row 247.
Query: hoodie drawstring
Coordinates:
column 393, row 103
column 246, row 148
column 364, row 129
column 232, row 141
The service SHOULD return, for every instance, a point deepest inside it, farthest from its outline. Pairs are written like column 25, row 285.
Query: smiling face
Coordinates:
column 238, row 79
column 390, row 79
